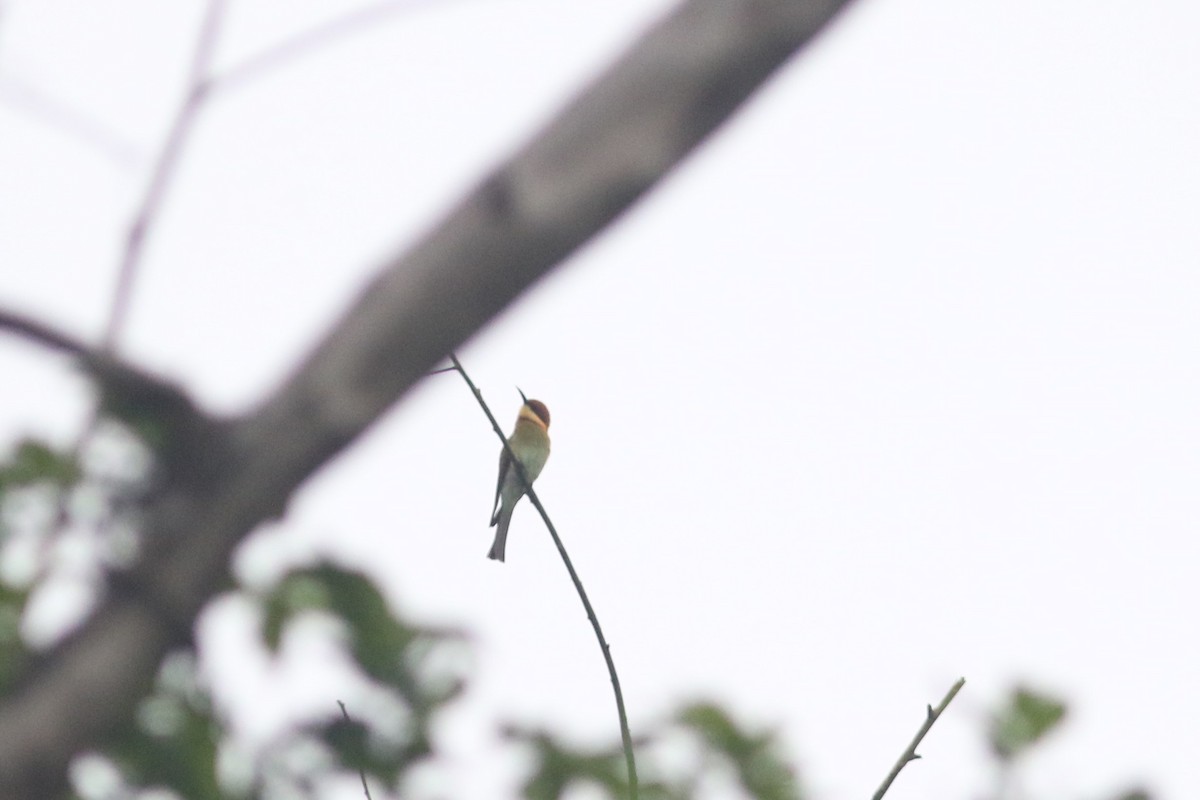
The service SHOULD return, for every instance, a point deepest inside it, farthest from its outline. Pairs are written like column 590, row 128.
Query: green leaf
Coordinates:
column 387, row 648
column 357, row 750
column 348, row 739
column 14, row 657
column 379, row 640
column 559, row 767
column 1026, row 719
column 761, row 770
column 35, row 462
column 400, row 657
column 173, row 741
column 299, row 591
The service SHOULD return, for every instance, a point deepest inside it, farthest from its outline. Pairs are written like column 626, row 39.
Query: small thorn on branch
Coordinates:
column 910, row 753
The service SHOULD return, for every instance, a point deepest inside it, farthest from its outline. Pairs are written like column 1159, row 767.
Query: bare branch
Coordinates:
column 161, row 174
column 622, row 719
column 122, row 386
column 678, row 83
column 41, row 333
column 71, row 121
column 910, row 754
column 362, row 775
column 303, row 44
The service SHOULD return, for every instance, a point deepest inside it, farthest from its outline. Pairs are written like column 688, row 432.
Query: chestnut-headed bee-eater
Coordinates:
column 530, row 441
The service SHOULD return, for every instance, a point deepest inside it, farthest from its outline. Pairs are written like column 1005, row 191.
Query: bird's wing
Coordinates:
column 505, row 462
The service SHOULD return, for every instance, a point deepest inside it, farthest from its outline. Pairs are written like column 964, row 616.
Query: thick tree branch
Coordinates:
column 621, row 135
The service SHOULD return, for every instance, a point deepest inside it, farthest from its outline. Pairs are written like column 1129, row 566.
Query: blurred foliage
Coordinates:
column 729, row 761
column 1019, row 725
column 1025, row 719
column 176, row 740
column 32, row 465
column 173, row 739
column 13, row 653
column 761, row 768
column 393, row 652
column 559, row 767
column 178, row 743
column 34, row 462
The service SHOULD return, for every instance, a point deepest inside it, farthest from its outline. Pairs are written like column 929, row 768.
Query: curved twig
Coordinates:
column 626, row 739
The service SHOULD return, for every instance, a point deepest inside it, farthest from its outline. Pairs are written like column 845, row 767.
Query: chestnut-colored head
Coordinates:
column 539, row 410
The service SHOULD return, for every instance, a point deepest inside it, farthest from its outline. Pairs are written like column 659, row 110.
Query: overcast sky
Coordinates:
column 894, row 381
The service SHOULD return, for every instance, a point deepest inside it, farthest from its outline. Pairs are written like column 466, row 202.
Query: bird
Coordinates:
column 530, row 441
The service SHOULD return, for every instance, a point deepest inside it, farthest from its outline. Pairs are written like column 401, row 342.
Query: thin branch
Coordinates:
column 162, row 173
column 314, row 38
column 71, row 121
column 626, row 739
column 910, row 754
column 41, row 333
column 361, row 775
column 125, row 153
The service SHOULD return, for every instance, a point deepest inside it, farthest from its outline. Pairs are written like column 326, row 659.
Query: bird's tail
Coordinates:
column 501, row 520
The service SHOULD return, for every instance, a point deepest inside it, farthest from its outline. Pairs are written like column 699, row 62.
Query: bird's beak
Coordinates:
column 524, row 399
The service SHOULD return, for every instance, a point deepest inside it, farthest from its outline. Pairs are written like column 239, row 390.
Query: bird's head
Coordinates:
column 535, row 409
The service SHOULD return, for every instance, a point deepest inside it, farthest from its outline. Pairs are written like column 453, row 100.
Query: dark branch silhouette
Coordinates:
column 361, row 775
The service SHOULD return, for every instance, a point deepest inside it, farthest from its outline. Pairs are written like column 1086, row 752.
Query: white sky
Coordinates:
column 894, row 381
